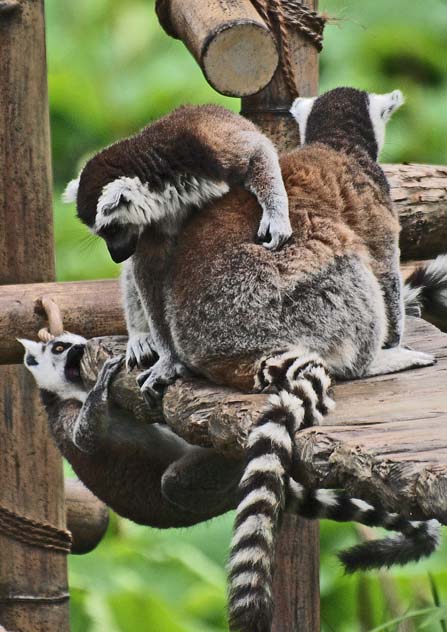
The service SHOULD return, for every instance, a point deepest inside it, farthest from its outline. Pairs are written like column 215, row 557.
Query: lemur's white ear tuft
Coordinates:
column 386, row 104
column 300, row 111
column 29, row 345
column 112, row 195
column 71, row 191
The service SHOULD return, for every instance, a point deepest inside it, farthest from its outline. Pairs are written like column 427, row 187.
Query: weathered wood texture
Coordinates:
column 228, row 38
column 386, row 440
column 93, row 308
column 33, row 581
column 420, row 195
column 90, row 308
column 87, row 517
column 297, row 607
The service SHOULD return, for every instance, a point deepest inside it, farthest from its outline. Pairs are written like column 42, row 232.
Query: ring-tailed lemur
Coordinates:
column 282, row 321
column 149, row 475
column 426, row 291
column 155, row 179
column 143, row 471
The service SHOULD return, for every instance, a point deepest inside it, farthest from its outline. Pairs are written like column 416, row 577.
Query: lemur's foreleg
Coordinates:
column 167, row 366
column 140, row 347
column 91, row 423
column 391, row 283
column 264, row 180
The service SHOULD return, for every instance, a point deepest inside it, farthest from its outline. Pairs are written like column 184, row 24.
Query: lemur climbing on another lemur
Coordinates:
column 286, row 321
column 148, row 474
column 155, row 180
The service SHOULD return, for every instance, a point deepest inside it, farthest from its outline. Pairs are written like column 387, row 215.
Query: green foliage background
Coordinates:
column 111, row 71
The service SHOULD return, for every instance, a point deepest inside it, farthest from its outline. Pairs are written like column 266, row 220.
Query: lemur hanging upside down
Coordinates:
column 154, row 180
column 148, row 474
column 284, row 322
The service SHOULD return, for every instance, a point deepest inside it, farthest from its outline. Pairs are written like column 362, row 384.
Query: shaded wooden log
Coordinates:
column 420, row 195
column 33, row 580
column 228, row 38
column 93, row 308
column 385, row 442
column 87, row 517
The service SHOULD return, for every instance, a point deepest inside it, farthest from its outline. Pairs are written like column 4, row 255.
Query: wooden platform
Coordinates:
column 386, row 440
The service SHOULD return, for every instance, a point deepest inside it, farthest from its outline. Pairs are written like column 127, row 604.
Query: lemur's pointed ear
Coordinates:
column 300, row 111
column 114, row 194
column 30, row 346
column 387, row 104
column 71, row 191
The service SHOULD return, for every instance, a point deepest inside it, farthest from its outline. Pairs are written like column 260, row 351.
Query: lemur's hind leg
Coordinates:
column 91, row 422
column 398, row 359
column 264, row 180
column 203, row 481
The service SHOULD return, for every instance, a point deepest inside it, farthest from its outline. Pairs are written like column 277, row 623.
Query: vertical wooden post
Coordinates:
column 33, row 581
column 296, row 582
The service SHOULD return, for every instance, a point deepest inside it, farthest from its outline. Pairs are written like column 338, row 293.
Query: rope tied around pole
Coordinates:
column 33, row 532
column 291, row 13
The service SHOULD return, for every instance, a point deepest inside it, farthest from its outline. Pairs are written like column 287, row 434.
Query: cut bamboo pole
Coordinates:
column 33, row 581
column 229, row 40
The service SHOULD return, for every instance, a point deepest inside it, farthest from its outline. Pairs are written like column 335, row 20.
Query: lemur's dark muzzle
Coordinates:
column 121, row 247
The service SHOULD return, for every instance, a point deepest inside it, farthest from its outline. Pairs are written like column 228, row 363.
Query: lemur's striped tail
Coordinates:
column 303, row 385
column 415, row 540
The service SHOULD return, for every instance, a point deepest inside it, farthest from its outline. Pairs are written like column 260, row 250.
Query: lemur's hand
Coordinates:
column 92, row 418
column 154, row 380
column 275, row 223
column 140, row 352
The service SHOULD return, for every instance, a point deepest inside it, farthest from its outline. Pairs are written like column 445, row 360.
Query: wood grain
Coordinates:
column 33, row 581
column 386, row 440
column 420, row 195
column 229, row 40
column 87, row 517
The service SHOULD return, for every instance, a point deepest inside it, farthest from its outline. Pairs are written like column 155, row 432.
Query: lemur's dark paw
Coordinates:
column 274, row 231
column 108, row 371
column 154, row 380
column 139, row 351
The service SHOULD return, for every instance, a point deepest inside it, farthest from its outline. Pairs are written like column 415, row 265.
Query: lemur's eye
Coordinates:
column 59, row 347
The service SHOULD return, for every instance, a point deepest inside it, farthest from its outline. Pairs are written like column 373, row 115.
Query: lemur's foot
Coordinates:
column 398, row 359
column 139, row 351
column 154, row 380
column 275, row 228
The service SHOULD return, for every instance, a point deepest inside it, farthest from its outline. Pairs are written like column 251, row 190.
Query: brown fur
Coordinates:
column 335, row 210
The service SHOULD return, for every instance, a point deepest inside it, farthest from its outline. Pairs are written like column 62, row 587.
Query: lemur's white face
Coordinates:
column 380, row 107
column 56, row 365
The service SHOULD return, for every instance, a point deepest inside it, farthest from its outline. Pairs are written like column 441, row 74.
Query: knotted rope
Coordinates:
column 33, row 532
column 12, row 524
column 291, row 13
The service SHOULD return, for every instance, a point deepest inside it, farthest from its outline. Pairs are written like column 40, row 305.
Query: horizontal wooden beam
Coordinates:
column 89, row 308
column 87, row 516
column 419, row 193
column 93, row 308
column 229, row 40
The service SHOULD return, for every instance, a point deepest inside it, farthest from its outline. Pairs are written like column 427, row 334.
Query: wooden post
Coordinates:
column 296, row 582
column 33, row 581
column 228, row 39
